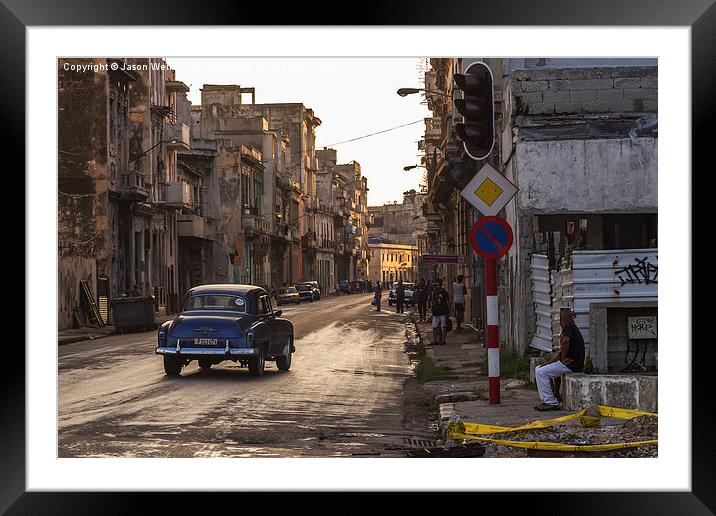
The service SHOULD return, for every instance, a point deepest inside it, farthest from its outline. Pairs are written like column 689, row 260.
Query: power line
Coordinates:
column 377, row 132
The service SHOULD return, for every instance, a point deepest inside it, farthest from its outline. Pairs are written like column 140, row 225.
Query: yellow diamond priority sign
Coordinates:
column 489, row 191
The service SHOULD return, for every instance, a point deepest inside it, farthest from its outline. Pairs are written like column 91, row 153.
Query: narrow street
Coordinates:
column 344, row 394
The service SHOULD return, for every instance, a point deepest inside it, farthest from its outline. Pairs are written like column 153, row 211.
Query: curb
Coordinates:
column 81, row 338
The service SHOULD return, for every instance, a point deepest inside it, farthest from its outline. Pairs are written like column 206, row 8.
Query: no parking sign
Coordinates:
column 491, row 237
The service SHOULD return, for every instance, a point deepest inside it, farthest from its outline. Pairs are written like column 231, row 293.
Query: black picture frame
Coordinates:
column 699, row 15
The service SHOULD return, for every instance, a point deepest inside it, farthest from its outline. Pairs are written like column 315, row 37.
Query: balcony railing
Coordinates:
column 180, row 194
column 132, row 185
column 193, row 226
column 256, row 223
column 177, row 136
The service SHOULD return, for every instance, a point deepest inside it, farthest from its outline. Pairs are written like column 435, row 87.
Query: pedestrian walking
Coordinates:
column 458, row 296
column 440, row 308
column 569, row 359
column 399, row 297
column 378, row 294
column 421, row 298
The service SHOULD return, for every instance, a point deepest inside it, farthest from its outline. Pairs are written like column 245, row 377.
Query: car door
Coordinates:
column 266, row 314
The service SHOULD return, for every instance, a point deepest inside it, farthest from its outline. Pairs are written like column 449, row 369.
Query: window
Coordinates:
column 264, row 305
column 219, row 302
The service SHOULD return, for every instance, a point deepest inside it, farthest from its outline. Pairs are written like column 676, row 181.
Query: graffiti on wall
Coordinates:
column 642, row 271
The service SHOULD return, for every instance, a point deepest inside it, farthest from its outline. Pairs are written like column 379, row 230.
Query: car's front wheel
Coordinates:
column 284, row 362
column 257, row 364
column 172, row 366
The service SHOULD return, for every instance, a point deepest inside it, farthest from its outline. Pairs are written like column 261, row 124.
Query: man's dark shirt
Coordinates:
column 576, row 347
column 440, row 303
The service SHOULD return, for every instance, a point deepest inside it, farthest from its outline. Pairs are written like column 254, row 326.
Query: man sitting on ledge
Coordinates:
column 569, row 359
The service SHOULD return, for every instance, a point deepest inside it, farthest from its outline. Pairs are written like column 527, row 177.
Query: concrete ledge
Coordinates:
column 629, row 391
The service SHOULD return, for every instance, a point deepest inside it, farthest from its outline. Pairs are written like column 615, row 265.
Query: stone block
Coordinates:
column 559, row 84
column 649, row 82
column 610, row 95
column 648, row 393
column 609, row 107
column 530, row 98
column 568, row 107
column 556, row 96
column 582, row 95
column 640, row 93
column 622, row 393
column 534, row 85
column 592, row 84
column 541, row 108
column 627, row 82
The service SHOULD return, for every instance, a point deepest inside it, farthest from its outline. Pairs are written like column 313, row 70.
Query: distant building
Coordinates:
column 393, row 262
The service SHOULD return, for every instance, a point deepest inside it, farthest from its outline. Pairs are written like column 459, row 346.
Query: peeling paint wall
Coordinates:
column 565, row 142
column 583, row 176
column 72, row 269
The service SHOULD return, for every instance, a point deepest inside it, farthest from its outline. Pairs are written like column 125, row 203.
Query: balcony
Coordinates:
column 177, row 136
column 192, row 226
column 256, row 224
column 179, row 194
column 132, row 186
column 433, row 130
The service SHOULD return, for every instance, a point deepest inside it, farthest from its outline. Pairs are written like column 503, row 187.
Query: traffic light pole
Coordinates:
column 493, row 332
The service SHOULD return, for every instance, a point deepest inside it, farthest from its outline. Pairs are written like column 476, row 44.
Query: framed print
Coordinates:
column 242, row 219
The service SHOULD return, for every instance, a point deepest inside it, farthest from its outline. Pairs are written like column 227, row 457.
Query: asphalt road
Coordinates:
column 344, row 394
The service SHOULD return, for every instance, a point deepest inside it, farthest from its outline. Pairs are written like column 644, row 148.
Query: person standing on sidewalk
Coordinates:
column 421, row 298
column 458, row 296
column 569, row 359
column 399, row 297
column 440, row 308
column 378, row 294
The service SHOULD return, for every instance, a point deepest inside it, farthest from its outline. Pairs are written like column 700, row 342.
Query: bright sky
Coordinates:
column 351, row 96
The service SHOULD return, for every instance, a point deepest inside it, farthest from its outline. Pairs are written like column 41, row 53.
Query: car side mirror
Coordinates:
column 278, row 313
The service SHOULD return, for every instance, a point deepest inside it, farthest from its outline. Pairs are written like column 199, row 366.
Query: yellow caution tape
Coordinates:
column 541, row 445
column 466, row 430
column 480, row 429
column 622, row 413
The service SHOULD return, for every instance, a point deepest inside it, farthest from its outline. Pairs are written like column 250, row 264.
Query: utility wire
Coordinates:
column 373, row 134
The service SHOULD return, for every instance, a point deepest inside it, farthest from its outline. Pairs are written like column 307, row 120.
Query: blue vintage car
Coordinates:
column 226, row 322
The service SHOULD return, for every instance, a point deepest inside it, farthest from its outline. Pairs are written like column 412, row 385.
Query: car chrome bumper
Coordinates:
column 206, row 351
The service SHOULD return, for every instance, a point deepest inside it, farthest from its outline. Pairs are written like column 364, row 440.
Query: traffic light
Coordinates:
column 461, row 173
column 477, row 131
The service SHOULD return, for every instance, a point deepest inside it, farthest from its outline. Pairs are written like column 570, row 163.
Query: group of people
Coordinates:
column 439, row 299
column 570, row 358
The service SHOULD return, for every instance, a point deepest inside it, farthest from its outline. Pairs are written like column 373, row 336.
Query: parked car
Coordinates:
column 316, row 288
column 409, row 290
column 286, row 295
column 305, row 292
column 226, row 322
column 344, row 286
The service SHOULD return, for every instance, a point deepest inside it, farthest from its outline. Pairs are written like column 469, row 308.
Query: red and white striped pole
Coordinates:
column 493, row 331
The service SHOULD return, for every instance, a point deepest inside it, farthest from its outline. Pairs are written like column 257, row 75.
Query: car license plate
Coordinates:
column 206, row 342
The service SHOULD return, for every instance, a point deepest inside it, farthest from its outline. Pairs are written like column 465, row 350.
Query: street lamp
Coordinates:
column 410, row 167
column 404, row 92
column 152, row 147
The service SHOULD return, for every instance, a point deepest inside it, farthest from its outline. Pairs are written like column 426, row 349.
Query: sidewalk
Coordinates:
column 73, row 335
column 466, row 395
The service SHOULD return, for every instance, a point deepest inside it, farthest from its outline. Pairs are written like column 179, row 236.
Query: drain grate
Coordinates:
column 419, row 443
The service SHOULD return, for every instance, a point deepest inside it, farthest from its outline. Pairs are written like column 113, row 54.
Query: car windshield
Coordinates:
column 303, row 288
column 291, row 290
column 216, row 302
